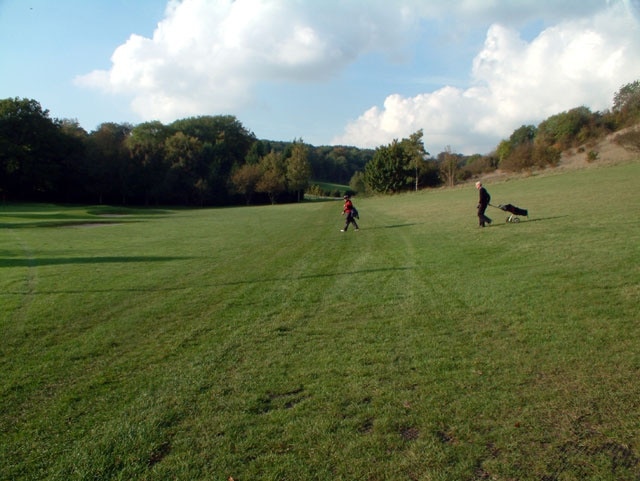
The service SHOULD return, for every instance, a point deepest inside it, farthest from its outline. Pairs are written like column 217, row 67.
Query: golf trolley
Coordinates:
column 514, row 212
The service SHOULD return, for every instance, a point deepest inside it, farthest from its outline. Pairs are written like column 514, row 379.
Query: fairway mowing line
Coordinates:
column 88, row 225
column 31, row 277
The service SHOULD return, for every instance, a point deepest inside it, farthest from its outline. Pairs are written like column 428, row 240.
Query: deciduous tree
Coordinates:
column 31, row 150
column 146, row 146
column 389, row 171
column 245, row 180
column 626, row 102
column 273, row 180
column 183, row 153
column 449, row 166
column 416, row 154
column 298, row 168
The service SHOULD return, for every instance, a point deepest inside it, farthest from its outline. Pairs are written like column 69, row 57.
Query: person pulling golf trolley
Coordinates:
column 483, row 202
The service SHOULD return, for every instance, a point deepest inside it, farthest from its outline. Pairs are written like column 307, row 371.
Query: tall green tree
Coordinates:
column 358, row 183
column 273, row 181
column 298, row 169
column 389, row 170
column 226, row 143
column 245, row 180
column 626, row 102
column 110, row 172
column 31, row 150
column 72, row 185
column 523, row 135
column 503, row 150
column 257, row 150
column 516, row 153
column 416, row 153
column 146, row 145
column 183, row 153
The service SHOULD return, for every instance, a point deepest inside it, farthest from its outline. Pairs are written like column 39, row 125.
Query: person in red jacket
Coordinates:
column 350, row 210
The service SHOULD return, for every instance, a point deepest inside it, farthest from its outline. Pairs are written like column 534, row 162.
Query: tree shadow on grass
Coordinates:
column 67, row 223
column 394, row 226
column 93, row 217
column 56, row 261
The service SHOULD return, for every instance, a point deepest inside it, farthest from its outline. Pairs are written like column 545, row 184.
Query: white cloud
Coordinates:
column 207, row 55
column 575, row 63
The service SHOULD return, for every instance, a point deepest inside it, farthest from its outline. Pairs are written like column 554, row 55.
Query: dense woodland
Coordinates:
column 217, row 161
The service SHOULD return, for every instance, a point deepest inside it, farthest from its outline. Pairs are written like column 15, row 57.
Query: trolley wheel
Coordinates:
column 516, row 220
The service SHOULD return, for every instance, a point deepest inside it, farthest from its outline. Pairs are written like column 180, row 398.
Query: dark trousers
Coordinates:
column 481, row 217
column 350, row 220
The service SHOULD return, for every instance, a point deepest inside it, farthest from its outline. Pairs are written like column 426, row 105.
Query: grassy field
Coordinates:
column 332, row 188
column 260, row 343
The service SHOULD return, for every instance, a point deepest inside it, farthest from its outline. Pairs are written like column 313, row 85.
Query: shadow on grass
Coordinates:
column 315, row 276
column 127, row 211
column 394, row 226
column 93, row 217
column 70, row 223
column 546, row 218
column 55, row 261
column 526, row 221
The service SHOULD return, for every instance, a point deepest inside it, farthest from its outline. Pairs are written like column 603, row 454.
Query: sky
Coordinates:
column 330, row 72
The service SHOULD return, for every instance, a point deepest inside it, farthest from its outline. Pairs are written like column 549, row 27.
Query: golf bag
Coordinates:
column 513, row 209
column 514, row 212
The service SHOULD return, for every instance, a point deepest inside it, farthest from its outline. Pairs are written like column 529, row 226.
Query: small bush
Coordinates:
column 315, row 190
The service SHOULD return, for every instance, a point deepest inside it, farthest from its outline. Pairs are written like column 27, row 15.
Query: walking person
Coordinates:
column 351, row 211
column 483, row 202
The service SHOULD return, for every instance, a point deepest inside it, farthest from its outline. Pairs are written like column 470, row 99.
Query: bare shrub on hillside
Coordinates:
column 518, row 159
column 543, row 156
column 629, row 140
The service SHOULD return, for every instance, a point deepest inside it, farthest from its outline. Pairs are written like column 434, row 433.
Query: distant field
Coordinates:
column 329, row 187
column 260, row 343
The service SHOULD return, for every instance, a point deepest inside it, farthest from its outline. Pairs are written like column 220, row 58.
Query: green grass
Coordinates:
column 331, row 187
column 260, row 343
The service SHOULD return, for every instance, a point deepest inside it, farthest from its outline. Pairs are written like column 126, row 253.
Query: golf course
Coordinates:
column 261, row 343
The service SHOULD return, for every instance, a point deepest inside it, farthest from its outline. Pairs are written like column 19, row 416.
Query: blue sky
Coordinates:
column 354, row 72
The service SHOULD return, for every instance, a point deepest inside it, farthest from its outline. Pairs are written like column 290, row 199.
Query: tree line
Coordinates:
column 217, row 161
column 207, row 160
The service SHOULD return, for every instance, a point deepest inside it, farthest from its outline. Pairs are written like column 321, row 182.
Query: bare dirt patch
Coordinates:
column 606, row 152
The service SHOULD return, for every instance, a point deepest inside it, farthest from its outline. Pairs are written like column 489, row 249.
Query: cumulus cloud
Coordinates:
column 514, row 82
column 207, row 55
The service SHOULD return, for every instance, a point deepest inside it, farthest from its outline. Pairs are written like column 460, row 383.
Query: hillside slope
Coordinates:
column 609, row 152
